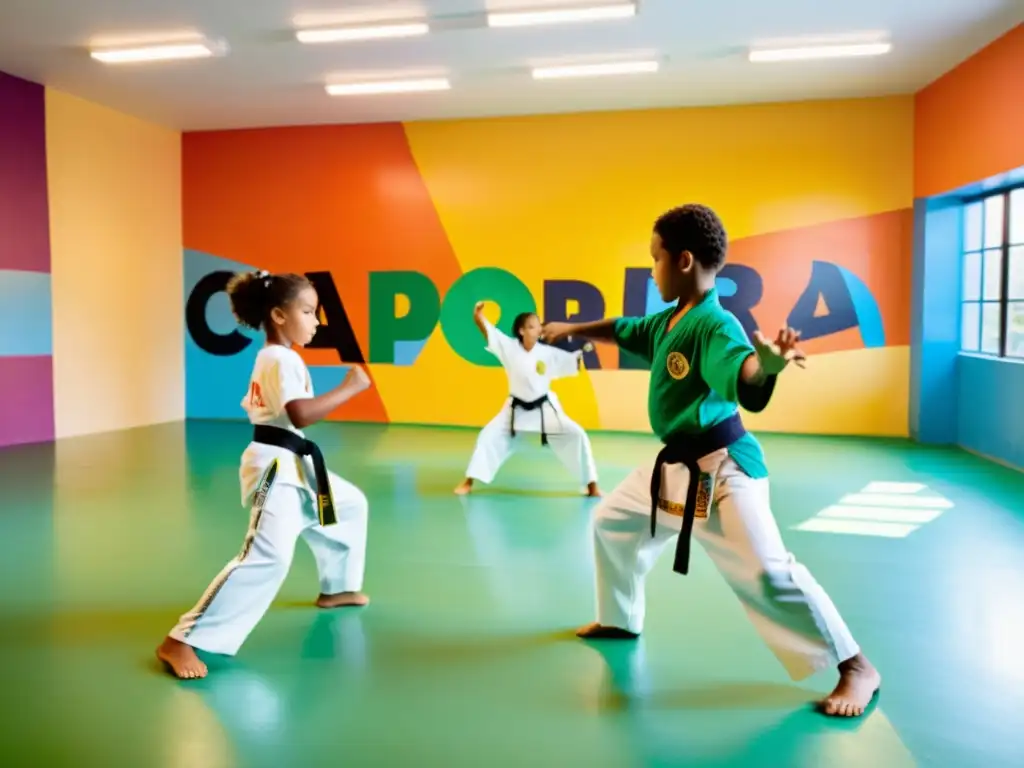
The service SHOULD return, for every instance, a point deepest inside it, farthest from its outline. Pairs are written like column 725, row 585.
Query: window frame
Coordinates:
column 1004, row 250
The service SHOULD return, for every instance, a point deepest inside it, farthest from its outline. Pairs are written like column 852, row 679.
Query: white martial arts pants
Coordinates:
column 242, row 592
column 790, row 611
column 566, row 438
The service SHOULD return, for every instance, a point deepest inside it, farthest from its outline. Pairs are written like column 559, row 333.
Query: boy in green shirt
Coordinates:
column 703, row 368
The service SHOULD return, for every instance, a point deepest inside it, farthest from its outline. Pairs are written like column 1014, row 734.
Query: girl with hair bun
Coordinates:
column 284, row 482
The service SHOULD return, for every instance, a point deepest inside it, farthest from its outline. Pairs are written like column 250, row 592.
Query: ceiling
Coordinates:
column 269, row 78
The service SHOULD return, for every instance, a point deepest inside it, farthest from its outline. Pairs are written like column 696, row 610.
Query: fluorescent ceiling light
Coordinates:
column 345, row 34
column 165, row 52
column 561, row 15
column 388, row 86
column 809, row 52
column 595, row 70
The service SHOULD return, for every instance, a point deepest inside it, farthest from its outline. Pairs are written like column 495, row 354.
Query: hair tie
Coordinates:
column 265, row 276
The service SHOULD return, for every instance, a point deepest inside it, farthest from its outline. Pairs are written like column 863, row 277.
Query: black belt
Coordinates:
column 529, row 406
column 283, row 438
column 688, row 449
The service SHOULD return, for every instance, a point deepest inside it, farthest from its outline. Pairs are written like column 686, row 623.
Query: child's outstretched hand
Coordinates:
column 776, row 355
column 552, row 332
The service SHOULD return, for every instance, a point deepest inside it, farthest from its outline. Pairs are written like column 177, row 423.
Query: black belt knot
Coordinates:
column 300, row 446
column 688, row 450
column 530, row 406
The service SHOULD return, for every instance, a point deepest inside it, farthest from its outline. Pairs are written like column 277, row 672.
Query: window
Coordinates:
column 992, row 288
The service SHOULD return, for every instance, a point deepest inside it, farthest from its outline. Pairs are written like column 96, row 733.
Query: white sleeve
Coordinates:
column 561, row 364
column 286, row 379
column 498, row 343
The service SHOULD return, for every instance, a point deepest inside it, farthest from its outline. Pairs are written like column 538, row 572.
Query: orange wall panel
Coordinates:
column 969, row 124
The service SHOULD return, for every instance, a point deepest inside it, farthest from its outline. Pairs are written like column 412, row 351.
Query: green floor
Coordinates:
column 465, row 657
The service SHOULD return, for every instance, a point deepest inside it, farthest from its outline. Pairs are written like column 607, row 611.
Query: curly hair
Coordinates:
column 694, row 228
column 254, row 294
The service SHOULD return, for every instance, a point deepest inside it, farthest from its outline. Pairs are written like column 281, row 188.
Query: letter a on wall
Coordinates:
column 337, row 332
column 836, row 300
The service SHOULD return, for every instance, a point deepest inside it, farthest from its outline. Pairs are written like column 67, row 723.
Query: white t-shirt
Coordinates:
column 530, row 373
column 279, row 376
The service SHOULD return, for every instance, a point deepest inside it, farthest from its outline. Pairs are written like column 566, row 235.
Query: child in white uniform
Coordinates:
column 531, row 407
column 283, row 481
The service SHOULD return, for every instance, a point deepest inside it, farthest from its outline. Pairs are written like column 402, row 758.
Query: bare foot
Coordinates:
column 342, row 599
column 464, row 487
column 181, row 659
column 593, row 490
column 597, row 631
column 858, row 682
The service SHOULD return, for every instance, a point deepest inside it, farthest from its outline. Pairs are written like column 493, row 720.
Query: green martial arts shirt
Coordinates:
column 695, row 370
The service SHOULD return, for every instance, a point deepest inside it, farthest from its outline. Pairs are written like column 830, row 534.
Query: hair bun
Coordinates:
column 249, row 293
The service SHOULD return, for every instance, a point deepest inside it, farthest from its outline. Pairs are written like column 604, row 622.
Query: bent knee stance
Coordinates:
column 573, row 429
column 350, row 499
column 785, row 583
column 609, row 519
column 780, row 580
column 357, row 507
column 791, row 598
column 360, row 504
column 273, row 557
column 357, row 513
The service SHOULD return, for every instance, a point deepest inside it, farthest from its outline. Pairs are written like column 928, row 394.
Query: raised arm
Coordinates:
column 759, row 371
column 478, row 318
column 562, row 364
column 746, row 373
column 304, row 411
column 598, row 330
column 633, row 334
